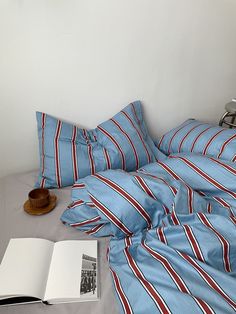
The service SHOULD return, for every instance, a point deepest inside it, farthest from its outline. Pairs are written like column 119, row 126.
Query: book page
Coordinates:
column 24, row 268
column 64, row 279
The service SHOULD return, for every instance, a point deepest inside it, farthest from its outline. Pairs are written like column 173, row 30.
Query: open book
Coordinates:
column 34, row 270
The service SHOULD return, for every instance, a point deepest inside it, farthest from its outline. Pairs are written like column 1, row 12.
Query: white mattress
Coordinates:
column 14, row 222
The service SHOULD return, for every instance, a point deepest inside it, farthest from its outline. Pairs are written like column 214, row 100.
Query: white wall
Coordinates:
column 83, row 60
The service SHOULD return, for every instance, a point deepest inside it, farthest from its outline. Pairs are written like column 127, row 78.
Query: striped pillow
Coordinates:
column 201, row 138
column 68, row 153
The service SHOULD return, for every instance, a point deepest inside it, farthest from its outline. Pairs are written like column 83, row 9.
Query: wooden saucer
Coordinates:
column 41, row 211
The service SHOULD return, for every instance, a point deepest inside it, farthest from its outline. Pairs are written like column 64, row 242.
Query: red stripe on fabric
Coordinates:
column 85, row 135
column 160, row 142
column 208, row 279
column 225, row 166
column 209, row 208
column 160, row 303
column 176, row 132
column 196, row 139
column 120, row 292
column 193, row 242
column 91, row 160
column 107, row 158
column 204, row 306
column 57, row 160
column 128, row 241
column 145, row 187
column 76, row 203
column 95, row 229
column 90, row 153
column 78, row 186
column 186, row 135
column 225, row 144
column 42, row 184
column 94, row 137
column 139, row 135
column 206, row 176
column 210, row 141
column 129, row 140
column 128, row 197
column 86, row 222
column 166, row 209
column 190, row 199
column 201, row 193
column 74, row 153
column 161, row 235
column 234, row 159
column 223, row 241
column 233, row 219
column 116, row 144
column 221, row 201
column 111, row 216
column 174, row 218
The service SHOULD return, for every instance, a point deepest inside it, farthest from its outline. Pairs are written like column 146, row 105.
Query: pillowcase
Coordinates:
column 68, row 153
column 197, row 137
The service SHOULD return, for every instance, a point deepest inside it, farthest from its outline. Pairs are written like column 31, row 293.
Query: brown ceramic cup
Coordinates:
column 39, row 198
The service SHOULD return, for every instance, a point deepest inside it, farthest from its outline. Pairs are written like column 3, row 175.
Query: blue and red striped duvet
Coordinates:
column 173, row 228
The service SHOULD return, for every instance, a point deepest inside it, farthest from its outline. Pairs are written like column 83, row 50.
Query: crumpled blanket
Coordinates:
column 173, row 233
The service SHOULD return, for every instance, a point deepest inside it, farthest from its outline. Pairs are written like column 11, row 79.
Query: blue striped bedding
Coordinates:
column 201, row 138
column 173, row 232
column 69, row 153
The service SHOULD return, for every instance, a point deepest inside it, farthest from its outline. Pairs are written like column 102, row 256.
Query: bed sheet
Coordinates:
column 14, row 222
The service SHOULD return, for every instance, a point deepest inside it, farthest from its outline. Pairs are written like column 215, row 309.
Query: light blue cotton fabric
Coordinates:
column 68, row 153
column 173, row 229
column 198, row 137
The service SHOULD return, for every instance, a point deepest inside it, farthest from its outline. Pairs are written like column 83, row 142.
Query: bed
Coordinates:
column 14, row 222
column 164, row 214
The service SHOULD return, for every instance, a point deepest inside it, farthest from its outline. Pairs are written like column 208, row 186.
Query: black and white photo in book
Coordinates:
column 39, row 270
column 88, row 283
